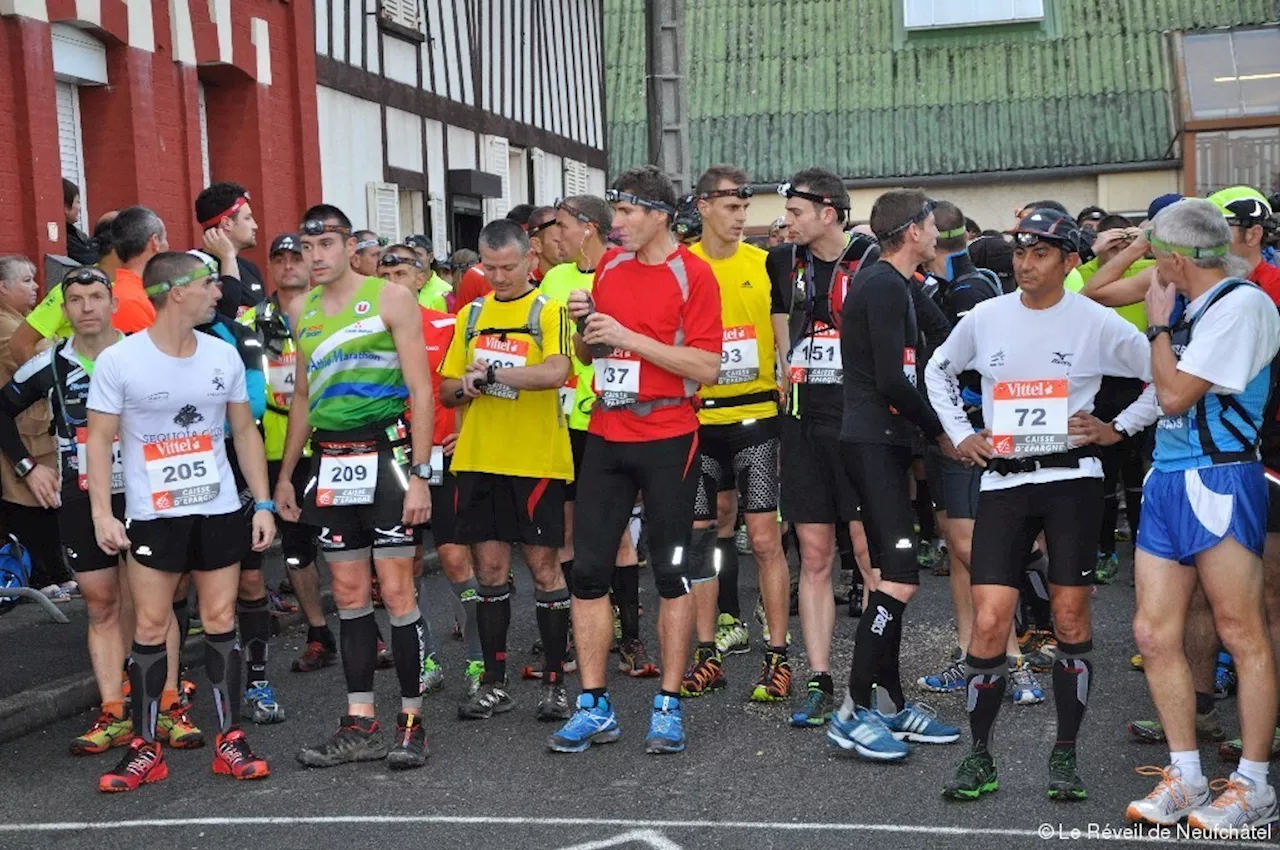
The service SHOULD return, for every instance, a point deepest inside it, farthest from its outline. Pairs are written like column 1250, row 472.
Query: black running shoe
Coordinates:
column 975, row 776
column 553, row 705
column 1064, row 782
column 491, row 699
column 410, row 749
column 357, row 739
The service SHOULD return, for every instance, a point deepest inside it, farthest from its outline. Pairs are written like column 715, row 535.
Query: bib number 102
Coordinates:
column 184, row 471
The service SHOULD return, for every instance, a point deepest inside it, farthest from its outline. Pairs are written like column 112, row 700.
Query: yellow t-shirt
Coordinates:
column 1134, row 314
column 747, row 358
column 521, row 433
column 576, row 397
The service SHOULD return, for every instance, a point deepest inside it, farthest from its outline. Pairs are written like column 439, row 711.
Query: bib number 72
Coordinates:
column 1037, row 415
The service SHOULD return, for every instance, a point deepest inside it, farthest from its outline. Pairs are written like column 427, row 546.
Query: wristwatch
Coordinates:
column 421, row 470
column 491, row 375
column 1118, row 429
column 1155, row 331
column 23, row 467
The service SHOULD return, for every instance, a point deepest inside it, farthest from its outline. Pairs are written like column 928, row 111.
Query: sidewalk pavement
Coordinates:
column 45, row 674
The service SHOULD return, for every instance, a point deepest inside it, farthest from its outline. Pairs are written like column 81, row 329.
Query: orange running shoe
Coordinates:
column 142, row 763
column 232, row 757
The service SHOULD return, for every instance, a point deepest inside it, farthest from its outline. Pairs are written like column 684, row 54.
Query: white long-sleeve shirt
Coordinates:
column 1031, row 351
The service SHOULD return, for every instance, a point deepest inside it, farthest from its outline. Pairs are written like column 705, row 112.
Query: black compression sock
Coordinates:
column 924, row 511
column 148, row 667
column 1072, row 681
column 626, row 593
column 222, row 665
column 182, row 613
column 875, row 642
column 409, row 647
column 566, row 567
column 493, row 617
column 985, row 686
column 552, row 609
column 1204, row 703
column 727, row 560
column 321, row 635
column 358, row 634
column 255, row 634
column 1035, row 592
column 824, row 682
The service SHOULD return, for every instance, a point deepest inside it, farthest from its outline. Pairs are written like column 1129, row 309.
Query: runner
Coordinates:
column 961, row 287
column 809, row 278
column 652, row 328
column 583, row 222
column 290, row 275
column 544, row 236
column 433, row 293
column 1041, row 353
column 399, row 265
column 170, row 393
column 362, row 356
column 61, row 376
column 368, row 251
column 229, row 230
column 738, row 438
column 879, row 337
column 509, row 363
column 1205, row 507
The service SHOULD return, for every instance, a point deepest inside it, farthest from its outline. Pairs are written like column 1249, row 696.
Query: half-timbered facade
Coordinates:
column 438, row 115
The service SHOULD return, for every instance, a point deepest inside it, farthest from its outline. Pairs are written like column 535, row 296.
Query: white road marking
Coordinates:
column 463, row 820
column 648, row 837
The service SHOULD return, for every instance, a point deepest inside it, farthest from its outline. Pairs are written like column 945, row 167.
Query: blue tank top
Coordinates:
column 1220, row 428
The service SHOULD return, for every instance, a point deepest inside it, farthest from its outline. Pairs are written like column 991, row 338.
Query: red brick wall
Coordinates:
column 142, row 132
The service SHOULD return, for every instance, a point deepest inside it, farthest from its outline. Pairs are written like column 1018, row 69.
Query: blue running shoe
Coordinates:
column 592, row 723
column 1224, row 678
column 950, row 680
column 865, row 734
column 918, row 722
column 1026, row 688
column 260, row 703
column 817, row 707
column 666, row 726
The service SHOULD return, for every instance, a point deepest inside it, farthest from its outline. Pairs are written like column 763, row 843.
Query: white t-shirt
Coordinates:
column 1233, row 340
column 1008, row 343
column 173, row 419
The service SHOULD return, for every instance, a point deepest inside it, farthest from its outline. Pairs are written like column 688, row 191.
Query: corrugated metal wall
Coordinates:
column 776, row 85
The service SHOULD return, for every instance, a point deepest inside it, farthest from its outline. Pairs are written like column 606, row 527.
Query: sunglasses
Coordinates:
column 742, row 193
column 182, row 280
column 787, row 190
column 392, row 260
column 929, row 206
column 614, row 196
column 380, row 242
column 315, row 227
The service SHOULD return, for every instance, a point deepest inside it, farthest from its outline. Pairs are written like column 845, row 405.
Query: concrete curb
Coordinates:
column 35, row 707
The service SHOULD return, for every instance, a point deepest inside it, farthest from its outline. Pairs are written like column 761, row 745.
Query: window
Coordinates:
column 1233, row 74
column 937, row 14
column 401, row 17
column 384, row 209
column 71, row 142
column 1237, row 158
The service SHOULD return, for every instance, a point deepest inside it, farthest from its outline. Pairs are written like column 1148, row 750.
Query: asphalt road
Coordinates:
column 747, row 781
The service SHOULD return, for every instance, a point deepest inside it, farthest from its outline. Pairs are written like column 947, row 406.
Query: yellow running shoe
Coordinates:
column 175, row 727
column 106, row 732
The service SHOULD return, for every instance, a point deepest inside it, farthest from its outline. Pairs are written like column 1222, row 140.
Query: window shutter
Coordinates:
column 439, row 230
column 384, row 209
column 71, row 142
column 204, row 135
column 499, row 163
column 401, row 12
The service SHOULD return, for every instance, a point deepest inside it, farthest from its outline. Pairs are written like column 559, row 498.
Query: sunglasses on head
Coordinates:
column 929, row 206
column 615, row 196
column 315, row 227
column 380, row 242
column 742, row 193
column 787, row 190
column 392, row 260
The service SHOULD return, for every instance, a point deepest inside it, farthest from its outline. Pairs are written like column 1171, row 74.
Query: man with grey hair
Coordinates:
column 508, row 358
column 1205, row 507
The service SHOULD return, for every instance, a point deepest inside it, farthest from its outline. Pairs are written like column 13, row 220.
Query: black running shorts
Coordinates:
column 742, row 456
column 880, row 472
column 1068, row 512
column 816, row 487
column 80, row 546
column 510, row 509
column 188, row 543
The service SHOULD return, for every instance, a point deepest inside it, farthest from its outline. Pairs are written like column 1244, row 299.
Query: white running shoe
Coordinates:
column 1242, row 805
column 1171, row 800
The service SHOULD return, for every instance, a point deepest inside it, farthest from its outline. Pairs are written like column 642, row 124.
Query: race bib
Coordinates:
column 437, row 466
column 739, row 356
column 909, row 365
column 348, row 474
column 1029, row 418
column 503, row 354
column 618, row 379
column 82, row 462
column 569, row 395
column 280, row 379
column 817, row 360
column 181, row 472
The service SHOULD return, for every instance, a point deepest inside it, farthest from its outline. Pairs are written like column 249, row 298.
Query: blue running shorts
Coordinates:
column 1188, row 511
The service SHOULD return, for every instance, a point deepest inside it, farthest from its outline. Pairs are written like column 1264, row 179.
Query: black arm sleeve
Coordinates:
column 232, row 296
column 16, row 397
column 887, row 340
column 778, row 265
